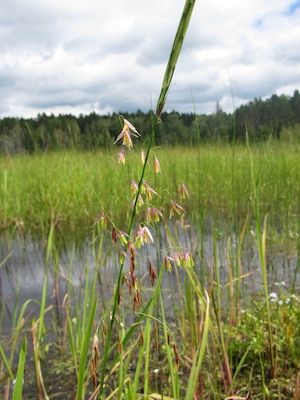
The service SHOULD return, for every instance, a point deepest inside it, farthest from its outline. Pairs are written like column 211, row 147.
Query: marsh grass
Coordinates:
column 56, row 195
column 71, row 189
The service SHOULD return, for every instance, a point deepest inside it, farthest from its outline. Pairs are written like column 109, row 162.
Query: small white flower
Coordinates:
column 273, row 296
column 282, row 283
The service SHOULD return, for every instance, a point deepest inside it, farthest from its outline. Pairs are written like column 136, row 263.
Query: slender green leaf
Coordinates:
column 18, row 387
column 84, row 351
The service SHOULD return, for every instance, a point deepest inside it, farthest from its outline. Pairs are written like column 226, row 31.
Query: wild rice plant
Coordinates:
column 143, row 231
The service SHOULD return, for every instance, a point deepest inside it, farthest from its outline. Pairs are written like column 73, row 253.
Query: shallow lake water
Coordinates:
column 22, row 272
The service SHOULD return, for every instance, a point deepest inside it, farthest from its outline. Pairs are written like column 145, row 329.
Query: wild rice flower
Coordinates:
column 136, row 300
column 102, row 219
column 126, row 133
column 168, row 263
column 152, row 273
column 132, row 258
column 182, row 259
column 132, row 282
column 172, row 260
column 139, row 202
column 143, row 157
column 176, row 208
column 156, row 165
column 148, row 191
column 94, row 361
column 177, row 258
column 153, row 214
column 141, row 337
column 114, row 235
column 187, row 260
column 183, row 192
column 122, row 255
column 142, row 236
column 134, row 187
column 123, row 236
column 121, row 157
column 176, row 356
column 96, row 348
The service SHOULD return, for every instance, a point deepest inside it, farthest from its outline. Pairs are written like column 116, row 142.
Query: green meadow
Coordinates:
column 70, row 189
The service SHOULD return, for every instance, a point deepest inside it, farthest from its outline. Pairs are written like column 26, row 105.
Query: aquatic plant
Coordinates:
column 131, row 241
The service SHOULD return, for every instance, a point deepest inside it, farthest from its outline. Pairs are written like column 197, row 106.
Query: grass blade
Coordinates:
column 17, row 393
column 84, row 352
column 197, row 364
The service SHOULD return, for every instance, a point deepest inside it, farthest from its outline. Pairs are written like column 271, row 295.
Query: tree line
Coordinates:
column 277, row 117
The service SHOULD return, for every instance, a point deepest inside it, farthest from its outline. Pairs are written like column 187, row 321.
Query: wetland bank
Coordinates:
column 215, row 268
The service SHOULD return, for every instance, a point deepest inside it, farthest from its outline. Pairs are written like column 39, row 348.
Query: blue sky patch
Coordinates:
column 293, row 7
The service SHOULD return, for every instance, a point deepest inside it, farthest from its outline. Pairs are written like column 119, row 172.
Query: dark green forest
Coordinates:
column 277, row 117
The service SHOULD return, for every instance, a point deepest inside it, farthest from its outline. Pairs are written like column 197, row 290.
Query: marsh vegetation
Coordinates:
column 53, row 203
column 162, row 273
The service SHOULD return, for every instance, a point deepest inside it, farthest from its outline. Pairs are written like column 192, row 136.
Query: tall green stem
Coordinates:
column 174, row 54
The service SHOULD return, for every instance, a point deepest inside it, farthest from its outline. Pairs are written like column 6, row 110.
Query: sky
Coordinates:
column 82, row 56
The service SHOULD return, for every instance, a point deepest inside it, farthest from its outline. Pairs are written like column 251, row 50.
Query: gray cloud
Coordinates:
column 84, row 55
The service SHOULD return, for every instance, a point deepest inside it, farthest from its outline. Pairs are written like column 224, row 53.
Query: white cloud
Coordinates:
column 88, row 55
